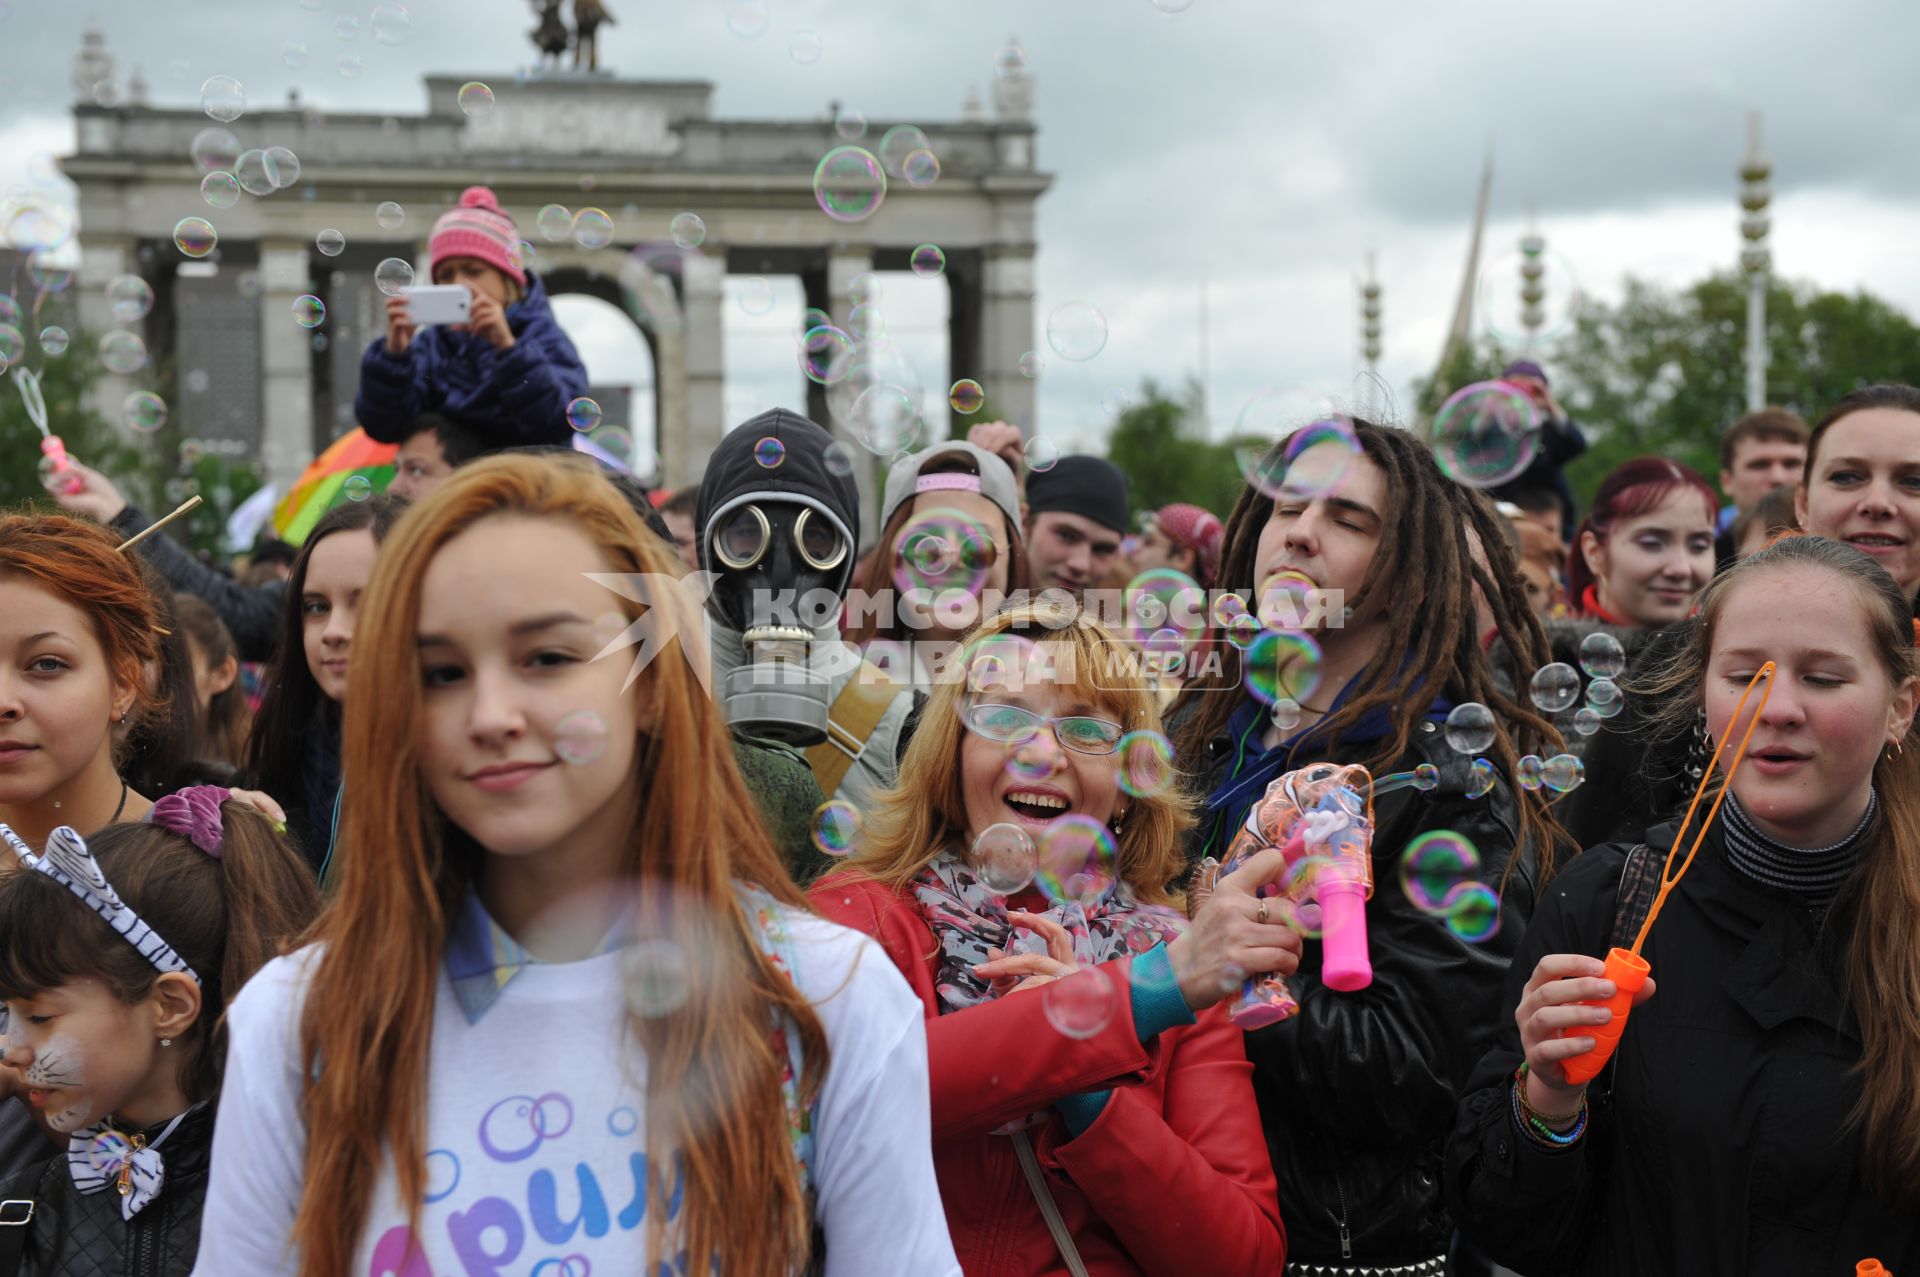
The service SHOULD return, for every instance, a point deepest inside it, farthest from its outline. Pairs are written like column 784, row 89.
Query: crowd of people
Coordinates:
column 617, row 880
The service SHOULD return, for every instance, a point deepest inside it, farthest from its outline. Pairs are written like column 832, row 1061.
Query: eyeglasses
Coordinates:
column 1013, row 725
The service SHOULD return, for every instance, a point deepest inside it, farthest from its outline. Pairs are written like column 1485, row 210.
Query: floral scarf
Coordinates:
column 967, row 918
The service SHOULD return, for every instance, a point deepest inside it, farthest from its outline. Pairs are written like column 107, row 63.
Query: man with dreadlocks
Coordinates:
column 1357, row 1091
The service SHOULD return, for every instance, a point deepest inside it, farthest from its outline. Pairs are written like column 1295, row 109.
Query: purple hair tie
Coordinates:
column 194, row 814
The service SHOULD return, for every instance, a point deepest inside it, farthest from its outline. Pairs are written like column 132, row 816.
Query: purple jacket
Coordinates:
column 517, row 396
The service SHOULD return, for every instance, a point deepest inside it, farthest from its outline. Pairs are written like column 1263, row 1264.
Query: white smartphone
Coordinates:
column 438, row 304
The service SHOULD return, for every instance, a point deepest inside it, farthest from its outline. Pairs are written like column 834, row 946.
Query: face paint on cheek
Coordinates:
column 71, row 1118
column 58, row 1066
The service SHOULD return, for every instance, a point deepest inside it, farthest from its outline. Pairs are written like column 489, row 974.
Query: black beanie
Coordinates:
column 1091, row 487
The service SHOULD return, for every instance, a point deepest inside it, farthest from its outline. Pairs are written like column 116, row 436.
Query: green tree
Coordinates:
column 64, row 384
column 1155, row 443
column 1665, row 372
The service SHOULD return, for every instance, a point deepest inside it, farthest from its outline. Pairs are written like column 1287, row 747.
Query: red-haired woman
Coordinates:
column 1646, row 547
column 567, row 1012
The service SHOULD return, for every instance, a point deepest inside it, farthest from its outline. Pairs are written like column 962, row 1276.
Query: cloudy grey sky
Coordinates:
column 1259, row 147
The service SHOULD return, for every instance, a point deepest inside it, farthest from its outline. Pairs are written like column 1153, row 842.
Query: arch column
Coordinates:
column 286, row 364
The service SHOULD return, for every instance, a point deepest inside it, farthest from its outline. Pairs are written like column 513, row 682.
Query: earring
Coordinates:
column 166, row 1041
column 1119, row 821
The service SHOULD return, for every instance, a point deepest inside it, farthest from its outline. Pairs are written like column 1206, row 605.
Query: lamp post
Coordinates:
column 1370, row 331
column 1533, row 288
column 1755, row 258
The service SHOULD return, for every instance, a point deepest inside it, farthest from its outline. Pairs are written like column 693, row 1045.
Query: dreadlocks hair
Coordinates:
column 1426, row 559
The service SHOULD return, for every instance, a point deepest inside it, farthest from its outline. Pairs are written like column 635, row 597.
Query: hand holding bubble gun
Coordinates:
column 1319, row 817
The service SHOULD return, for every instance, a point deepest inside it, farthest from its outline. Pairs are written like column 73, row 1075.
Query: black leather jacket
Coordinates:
column 75, row 1234
column 1357, row 1092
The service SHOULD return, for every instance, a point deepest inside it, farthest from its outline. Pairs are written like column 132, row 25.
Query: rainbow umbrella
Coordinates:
column 324, row 484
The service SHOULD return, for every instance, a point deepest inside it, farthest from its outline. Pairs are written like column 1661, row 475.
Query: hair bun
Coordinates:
column 479, row 197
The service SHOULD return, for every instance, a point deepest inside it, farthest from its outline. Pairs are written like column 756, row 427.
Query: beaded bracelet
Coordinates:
column 1534, row 1123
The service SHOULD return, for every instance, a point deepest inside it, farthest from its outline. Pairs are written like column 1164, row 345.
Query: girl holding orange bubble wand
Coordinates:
column 1758, row 1114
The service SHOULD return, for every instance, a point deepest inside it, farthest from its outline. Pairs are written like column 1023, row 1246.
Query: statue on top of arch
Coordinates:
column 552, row 38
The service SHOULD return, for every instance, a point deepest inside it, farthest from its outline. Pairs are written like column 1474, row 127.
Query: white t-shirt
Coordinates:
column 535, row 1127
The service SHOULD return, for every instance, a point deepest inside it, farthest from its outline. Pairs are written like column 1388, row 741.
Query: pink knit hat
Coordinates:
column 1191, row 528
column 477, row 228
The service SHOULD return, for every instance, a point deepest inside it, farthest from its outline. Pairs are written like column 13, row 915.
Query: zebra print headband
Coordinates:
column 68, row 862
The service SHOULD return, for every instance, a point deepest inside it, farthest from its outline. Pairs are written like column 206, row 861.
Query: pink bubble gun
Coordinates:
column 1321, row 820
column 55, row 452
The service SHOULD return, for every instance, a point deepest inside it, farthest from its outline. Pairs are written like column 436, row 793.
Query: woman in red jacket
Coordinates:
column 1093, row 1108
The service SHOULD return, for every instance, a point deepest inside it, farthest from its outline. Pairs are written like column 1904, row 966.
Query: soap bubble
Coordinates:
column 850, row 124
column 747, row 18
column 592, row 228
column 220, row 190
column 222, row 98
column 391, row 22
column 689, row 230
column 1078, row 1006
column 1227, row 608
column 966, row 396
column 1042, row 454
column 309, row 311
column 838, row 459
column 346, row 27
column 255, row 172
column 1603, row 697
column 555, row 222
column 123, row 352
column 390, row 216
column 822, row 350
column 285, row 167
column 885, row 420
column 357, row 487
column 145, row 412
column 393, row 276
column 1586, row 720
column 1077, row 332
column 866, row 323
column 1528, row 771
column 1282, row 665
column 129, row 297
column 849, row 185
column 770, row 452
column 756, row 295
column 580, row 737
column 475, row 98
column 921, row 169
column 349, row 66
column 1243, row 630
column 804, row 47
column 583, row 414
column 1470, row 728
column 1165, row 597
column 1031, row 364
column 1076, row 859
column 54, row 340
column 1486, row 433
column 1481, row 778
column 330, row 242
column 1004, row 859
column 1554, row 687
column 656, row 976
column 1146, row 764
column 1434, row 865
column 213, row 150
column 928, row 261
column 836, row 825
column 194, row 236
column 1601, row 655
column 1563, row 773
column 1472, row 911
column 294, row 54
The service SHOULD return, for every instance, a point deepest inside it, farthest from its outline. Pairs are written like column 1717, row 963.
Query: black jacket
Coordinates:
column 1722, row 1143
column 251, row 613
column 75, row 1234
column 1357, row 1092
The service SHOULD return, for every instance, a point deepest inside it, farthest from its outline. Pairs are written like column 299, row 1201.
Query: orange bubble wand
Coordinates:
column 1625, row 967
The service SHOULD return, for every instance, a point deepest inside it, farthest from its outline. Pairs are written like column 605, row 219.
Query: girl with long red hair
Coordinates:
column 567, row 1011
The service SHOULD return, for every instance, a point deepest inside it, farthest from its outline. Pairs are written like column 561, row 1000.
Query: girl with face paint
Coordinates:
column 117, row 956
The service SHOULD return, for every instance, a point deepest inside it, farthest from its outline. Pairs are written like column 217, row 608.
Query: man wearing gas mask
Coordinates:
column 779, row 525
